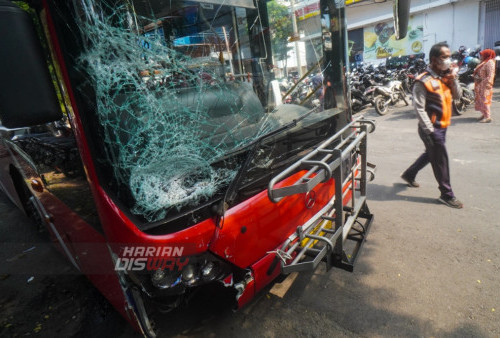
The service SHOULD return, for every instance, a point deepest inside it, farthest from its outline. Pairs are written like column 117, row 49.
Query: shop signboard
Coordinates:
column 307, row 11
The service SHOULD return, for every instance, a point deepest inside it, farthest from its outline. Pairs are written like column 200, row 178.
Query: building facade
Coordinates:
column 470, row 23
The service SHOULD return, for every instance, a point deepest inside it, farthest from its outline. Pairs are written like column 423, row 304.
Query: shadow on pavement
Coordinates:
column 41, row 293
column 470, row 118
column 406, row 114
column 387, row 193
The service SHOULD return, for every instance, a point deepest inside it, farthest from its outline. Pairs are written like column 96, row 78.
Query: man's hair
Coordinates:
column 436, row 50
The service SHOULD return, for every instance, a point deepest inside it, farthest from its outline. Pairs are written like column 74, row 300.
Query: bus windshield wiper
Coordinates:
column 231, row 192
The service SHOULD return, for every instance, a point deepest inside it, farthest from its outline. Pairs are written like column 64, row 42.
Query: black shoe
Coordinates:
column 452, row 202
column 411, row 182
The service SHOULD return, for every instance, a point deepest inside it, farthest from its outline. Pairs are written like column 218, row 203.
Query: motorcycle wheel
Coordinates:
column 406, row 86
column 469, row 95
column 403, row 97
column 459, row 107
column 380, row 105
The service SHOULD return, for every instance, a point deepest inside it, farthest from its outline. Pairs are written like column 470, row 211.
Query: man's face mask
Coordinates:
column 444, row 64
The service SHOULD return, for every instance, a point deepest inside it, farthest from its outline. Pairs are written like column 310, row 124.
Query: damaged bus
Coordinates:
column 152, row 140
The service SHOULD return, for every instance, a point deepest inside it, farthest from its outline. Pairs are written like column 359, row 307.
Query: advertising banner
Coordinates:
column 380, row 41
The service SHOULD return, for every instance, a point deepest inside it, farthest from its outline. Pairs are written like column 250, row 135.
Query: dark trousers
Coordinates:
column 437, row 156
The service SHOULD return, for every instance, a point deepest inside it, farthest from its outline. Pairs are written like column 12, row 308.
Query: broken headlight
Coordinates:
column 195, row 270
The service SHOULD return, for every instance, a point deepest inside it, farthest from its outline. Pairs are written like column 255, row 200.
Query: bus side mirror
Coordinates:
column 401, row 17
column 27, row 94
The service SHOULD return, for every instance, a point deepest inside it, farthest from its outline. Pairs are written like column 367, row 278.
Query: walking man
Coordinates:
column 433, row 93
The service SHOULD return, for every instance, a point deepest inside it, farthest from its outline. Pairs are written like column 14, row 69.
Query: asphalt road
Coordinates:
column 426, row 269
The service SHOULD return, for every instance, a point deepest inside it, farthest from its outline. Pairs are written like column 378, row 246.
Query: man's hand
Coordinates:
column 429, row 138
column 452, row 74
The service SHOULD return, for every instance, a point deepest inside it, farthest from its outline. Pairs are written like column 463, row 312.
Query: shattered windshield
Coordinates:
column 183, row 87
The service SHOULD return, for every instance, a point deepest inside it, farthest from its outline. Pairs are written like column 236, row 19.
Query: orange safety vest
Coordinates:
column 437, row 101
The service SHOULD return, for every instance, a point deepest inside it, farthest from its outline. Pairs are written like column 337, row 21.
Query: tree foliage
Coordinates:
column 281, row 28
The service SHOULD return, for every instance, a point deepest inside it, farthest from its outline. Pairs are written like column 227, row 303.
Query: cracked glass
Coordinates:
column 184, row 92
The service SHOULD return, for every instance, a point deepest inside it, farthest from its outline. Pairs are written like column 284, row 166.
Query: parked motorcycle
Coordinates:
column 467, row 98
column 466, row 71
column 404, row 76
column 389, row 94
column 460, row 55
column 466, row 79
column 57, row 152
column 362, row 90
column 417, row 67
column 361, row 98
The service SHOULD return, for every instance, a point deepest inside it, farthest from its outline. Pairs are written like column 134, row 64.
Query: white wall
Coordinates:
column 373, row 12
column 467, row 16
column 438, row 26
column 456, row 22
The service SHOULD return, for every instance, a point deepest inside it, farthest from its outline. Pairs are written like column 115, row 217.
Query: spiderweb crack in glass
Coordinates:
column 164, row 120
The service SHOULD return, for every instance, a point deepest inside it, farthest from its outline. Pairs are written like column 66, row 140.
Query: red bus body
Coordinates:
column 248, row 244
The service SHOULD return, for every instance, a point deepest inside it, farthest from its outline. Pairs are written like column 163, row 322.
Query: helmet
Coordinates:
column 462, row 49
column 467, row 59
column 473, row 62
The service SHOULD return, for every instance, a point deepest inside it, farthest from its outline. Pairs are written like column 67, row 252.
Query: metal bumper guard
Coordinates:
column 336, row 228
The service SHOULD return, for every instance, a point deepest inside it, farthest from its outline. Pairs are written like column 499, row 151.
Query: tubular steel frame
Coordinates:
column 323, row 236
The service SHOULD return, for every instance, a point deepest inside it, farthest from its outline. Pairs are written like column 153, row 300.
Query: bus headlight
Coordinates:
column 189, row 275
column 209, row 271
column 163, row 279
column 198, row 270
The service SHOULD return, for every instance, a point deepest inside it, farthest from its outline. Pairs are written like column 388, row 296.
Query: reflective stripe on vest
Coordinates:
column 437, row 101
